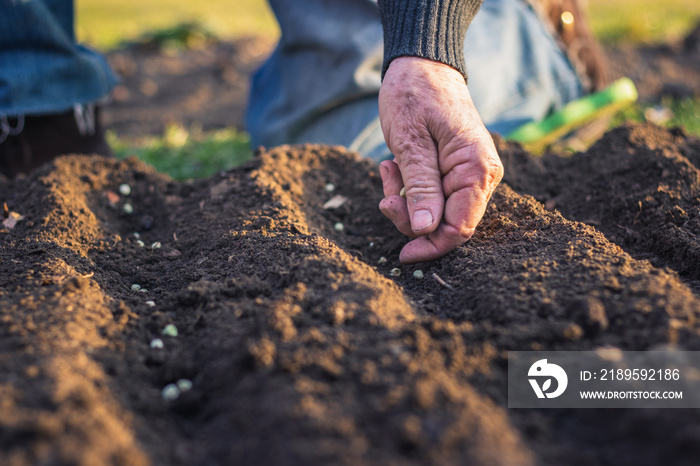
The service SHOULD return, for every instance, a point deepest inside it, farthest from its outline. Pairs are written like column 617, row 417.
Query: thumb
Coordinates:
column 423, row 184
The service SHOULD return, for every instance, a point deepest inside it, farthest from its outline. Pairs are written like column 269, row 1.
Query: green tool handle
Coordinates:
column 539, row 134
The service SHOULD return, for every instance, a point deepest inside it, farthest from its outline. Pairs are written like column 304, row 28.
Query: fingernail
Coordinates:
column 422, row 219
column 382, row 171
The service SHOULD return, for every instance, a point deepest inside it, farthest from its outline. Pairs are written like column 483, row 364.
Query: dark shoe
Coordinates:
column 571, row 29
column 27, row 142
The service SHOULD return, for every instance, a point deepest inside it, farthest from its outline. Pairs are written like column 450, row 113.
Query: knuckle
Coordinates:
column 421, row 190
column 484, row 172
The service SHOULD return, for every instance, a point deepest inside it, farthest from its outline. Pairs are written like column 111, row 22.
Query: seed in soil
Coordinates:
column 382, row 260
column 150, row 303
column 335, row 202
column 128, row 209
column 143, row 290
column 418, row 274
column 184, row 385
column 156, row 245
column 137, row 235
column 330, row 187
column 124, row 189
column 170, row 330
column 339, row 226
column 157, row 343
column 170, row 392
column 135, row 287
column 141, row 243
column 395, row 272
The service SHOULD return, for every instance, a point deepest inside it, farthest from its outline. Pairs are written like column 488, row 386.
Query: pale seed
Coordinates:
column 184, row 385
column 170, row 330
column 157, row 343
column 170, row 392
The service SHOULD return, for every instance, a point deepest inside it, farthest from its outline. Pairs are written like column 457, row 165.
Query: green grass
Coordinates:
column 104, row 24
column 187, row 154
column 649, row 21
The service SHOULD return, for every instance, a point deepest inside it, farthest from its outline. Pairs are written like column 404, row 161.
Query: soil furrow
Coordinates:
column 639, row 185
column 301, row 346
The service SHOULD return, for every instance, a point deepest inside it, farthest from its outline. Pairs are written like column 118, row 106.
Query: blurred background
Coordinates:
column 106, row 23
column 185, row 65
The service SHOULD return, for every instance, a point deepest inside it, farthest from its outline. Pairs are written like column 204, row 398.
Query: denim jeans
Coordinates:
column 322, row 81
column 42, row 69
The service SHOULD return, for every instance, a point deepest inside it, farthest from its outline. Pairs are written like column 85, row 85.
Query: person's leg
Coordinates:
column 48, row 85
column 321, row 83
column 42, row 69
column 517, row 73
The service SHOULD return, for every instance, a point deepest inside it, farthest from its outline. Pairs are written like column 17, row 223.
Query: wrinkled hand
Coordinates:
column 444, row 157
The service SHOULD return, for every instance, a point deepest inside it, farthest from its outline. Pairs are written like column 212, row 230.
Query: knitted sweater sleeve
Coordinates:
column 432, row 29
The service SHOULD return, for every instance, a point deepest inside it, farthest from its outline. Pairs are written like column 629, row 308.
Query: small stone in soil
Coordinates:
column 135, row 287
column 418, row 274
column 150, row 303
column 395, row 272
column 170, row 330
column 339, row 226
column 170, row 392
column 141, row 243
column 382, row 260
column 143, row 290
column 330, row 187
column 156, row 245
column 124, row 189
column 157, row 343
column 128, row 208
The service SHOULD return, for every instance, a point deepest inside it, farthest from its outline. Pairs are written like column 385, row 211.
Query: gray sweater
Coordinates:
column 432, row 29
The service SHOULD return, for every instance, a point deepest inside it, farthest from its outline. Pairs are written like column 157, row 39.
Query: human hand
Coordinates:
column 444, row 157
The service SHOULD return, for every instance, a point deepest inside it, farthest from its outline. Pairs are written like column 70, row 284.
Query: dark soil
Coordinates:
column 301, row 348
column 206, row 86
column 640, row 186
column 668, row 70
